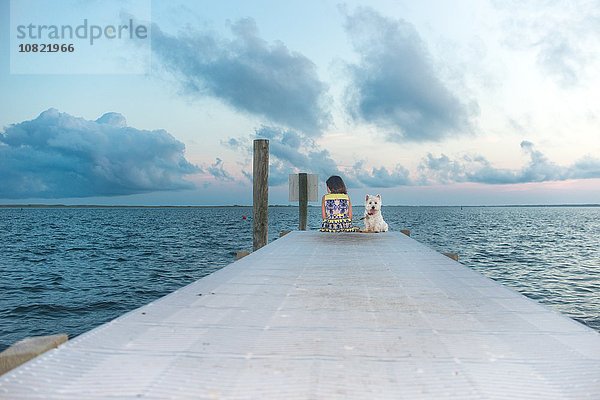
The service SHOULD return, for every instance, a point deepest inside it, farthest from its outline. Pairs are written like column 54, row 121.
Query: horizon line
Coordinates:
column 58, row 205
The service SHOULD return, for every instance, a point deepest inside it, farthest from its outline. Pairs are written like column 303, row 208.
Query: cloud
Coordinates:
column 586, row 168
column 559, row 57
column 58, row 155
column 562, row 35
column 381, row 177
column 247, row 73
column 440, row 169
column 477, row 169
column 396, row 84
column 217, row 171
column 292, row 152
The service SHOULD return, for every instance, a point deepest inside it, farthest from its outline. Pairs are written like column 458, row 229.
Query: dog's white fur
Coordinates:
column 373, row 219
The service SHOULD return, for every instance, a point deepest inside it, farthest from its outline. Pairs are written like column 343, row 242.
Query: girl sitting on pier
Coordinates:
column 336, row 208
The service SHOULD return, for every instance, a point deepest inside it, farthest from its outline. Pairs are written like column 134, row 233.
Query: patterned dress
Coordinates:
column 337, row 208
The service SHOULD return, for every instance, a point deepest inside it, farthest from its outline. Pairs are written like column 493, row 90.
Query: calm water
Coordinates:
column 69, row 270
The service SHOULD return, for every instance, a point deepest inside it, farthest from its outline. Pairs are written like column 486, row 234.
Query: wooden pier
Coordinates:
column 320, row 316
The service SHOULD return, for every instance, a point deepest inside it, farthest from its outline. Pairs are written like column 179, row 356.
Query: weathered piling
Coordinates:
column 260, row 194
column 302, row 200
column 28, row 348
column 241, row 254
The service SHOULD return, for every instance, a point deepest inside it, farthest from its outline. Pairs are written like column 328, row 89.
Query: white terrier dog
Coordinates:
column 373, row 219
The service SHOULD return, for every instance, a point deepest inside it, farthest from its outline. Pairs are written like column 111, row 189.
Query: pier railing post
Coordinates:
column 28, row 348
column 302, row 200
column 260, row 193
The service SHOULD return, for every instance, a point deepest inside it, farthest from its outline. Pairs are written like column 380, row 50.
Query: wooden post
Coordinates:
column 302, row 200
column 241, row 254
column 28, row 348
column 260, row 194
column 453, row 256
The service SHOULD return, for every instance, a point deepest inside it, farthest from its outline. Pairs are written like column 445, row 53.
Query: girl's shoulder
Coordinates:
column 335, row 196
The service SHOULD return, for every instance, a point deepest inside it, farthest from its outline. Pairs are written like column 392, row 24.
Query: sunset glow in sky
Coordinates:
column 428, row 103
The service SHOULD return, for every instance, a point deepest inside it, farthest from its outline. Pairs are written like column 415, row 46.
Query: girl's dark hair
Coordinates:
column 336, row 185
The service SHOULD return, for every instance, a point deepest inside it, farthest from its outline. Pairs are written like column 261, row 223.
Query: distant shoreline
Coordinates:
column 275, row 205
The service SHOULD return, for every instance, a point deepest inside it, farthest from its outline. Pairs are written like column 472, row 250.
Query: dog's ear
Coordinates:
column 366, row 197
column 378, row 196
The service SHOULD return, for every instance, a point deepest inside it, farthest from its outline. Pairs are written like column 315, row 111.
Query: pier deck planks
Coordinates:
column 317, row 315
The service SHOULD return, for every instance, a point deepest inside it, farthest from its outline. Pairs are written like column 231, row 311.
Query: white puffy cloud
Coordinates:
column 563, row 36
column 58, row 155
column 478, row 169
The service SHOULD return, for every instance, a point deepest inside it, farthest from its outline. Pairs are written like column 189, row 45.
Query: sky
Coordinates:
column 469, row 102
